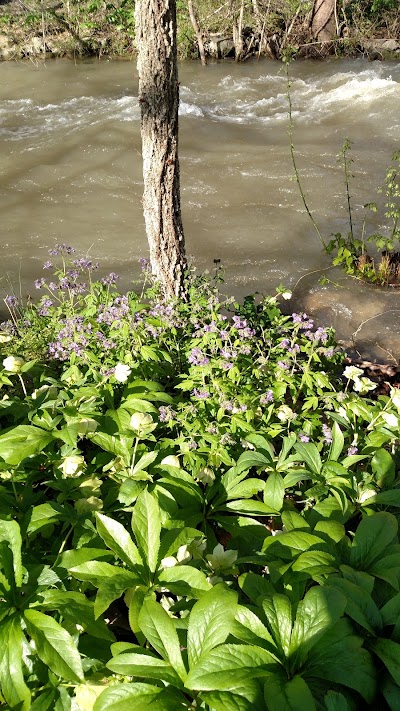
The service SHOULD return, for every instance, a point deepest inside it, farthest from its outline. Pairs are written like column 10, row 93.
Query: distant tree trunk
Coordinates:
column 323, row 20
column 237, row 29
column 197, row 31
column 159, row 102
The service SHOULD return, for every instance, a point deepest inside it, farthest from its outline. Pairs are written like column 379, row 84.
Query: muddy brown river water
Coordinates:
column 71, row 172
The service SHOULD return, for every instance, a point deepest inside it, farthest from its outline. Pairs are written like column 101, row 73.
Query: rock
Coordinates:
column 220, row 46
column 377, row 48
column 6, row 49
column 34, row 47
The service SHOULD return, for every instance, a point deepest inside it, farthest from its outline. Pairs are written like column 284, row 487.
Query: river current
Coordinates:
column 71, row 172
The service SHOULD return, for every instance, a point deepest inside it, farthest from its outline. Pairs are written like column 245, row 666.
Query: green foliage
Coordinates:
column 199, row 506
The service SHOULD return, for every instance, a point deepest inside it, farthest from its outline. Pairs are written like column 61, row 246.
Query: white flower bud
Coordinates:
column 13, row 364
column 122, row 372
column 206, row 476
column 72, row 466
column 140, row 420
column 171, row 460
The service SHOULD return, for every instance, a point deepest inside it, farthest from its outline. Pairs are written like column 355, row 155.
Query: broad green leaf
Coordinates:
column 75, row 607
column 45, row 702
column 292, row 520
column 13, row 687
column 335, row 701
column 283, row 695
column 383, row 467
column 246, row 697
column 10, row 533
column 388, row 568
column 337, row 442
column 117, row 538
column 54, row 646
column 331, row 530
column 112, row 588
column 274, row 491
column 228, row 666
column 389, row 653
column 391, row 692
column 159, row 629
column 77, row 556
column 46, row 514
column 373, row 535
column 255, row 586
column 385, row 498
column 315, row 563
column 144, row 665
column 358, row 577
column 247, row 460
column 320, row 610
column 310, row 455
column 136, row 697
column 115, row 445
column 360, row 605
column 184, row 580
column 247, row 627
column 145, row 461
column 251, row 508
column 176, row 537
column 337, row 652
column 278, row 612
column 391, row 611
column 292, row 543
column 23, row 441
column 146, row 525
column 97, row 572
column 210, row 621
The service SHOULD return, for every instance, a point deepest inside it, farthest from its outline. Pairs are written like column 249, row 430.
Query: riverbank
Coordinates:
column 97, row 29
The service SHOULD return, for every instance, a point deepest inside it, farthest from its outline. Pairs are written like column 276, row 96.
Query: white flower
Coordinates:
column 285, row 413
column 87, row 425
column 13, row 364
column 363, row 385
column 72, row 466
column 122, row 372
column 286, row 295
column 365, row 495
column 395, row 396
column 391, row 420
column 183, row 554
column 351, row 372
column 171, row 461
column 4, row 338
column 50, row 390
column 246, row 445
column 278, row 531
column 140, row 420
column 169, row 562
column 206, row 476
column 343, row 413
column 221, row 558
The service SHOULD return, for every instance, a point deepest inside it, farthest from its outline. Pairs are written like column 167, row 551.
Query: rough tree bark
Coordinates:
column 237, row 29
column 197, row 31
column 159, row 102
column 323, row 20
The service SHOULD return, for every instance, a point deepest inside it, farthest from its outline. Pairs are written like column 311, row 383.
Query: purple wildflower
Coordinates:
column 39, row 283
column 327, row 432
column 352, row 450
column 267, row 397
column 11, row 300
column 197, row 357
column 110, row 280
column 200, row 394
column 166, row 413
column 47, row 265
column 303, row 437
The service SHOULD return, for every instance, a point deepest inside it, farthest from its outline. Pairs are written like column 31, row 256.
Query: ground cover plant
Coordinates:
column 199, row 505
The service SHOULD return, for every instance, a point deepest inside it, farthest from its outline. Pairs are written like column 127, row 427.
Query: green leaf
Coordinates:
column 136, row 697
column 246, row 697
column 310, row 455
column 389, row 653
column 77, row 556
column 274, row 491
column 146, row 525
column 111, row 589
column 315, row 563
column 292, row 520
column 185, row 581
column 75, row 607
column 210, row 621
column 251, row 508
column 391, row 692
column 360, row 605
column 247, row 460
column 98, row 572
column 144, row 665
column 373, row 535
column 385, row 498
column 383, row 468
column 337, row 442
column 117, row 538
column 145, row 461
column 278, row 612
column 292, row 543
column 54, row 646
column 160, row 631
column 320, row 610
column 228, row 667
column 10, row 533
column 337, row 652
column 13, row 687
column 335, row 701
column 283, row 695
column 391, row 611
column 247, row 627
column 23, row 441
column 45, row 702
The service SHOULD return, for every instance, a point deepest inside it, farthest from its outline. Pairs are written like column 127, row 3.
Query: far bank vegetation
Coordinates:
column 207, row 29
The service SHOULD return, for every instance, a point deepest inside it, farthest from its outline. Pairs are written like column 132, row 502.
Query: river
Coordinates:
column 71, row 172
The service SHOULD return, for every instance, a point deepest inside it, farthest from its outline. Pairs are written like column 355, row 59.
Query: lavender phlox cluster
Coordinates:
column 8, row 327
column 303, row 437
column 352, row 450
column 106, row 344
column 197, row 357
column 327, row 432
column 11, row 300
column 110, row 279
column 85, row 265
column 72, row 338
column 144, row 264
column 243, row 329
column 61, row 249
column 44, row 306
column 166, row 413
column 154, row 331
column 303, row 320
column 113, row 313
column 200, row 394
column 267, row 397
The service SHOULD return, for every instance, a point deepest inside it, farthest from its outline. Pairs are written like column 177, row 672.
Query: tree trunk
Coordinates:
column 197, row 31
column 237, row 28
column 159, row 102
column 323, row 22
